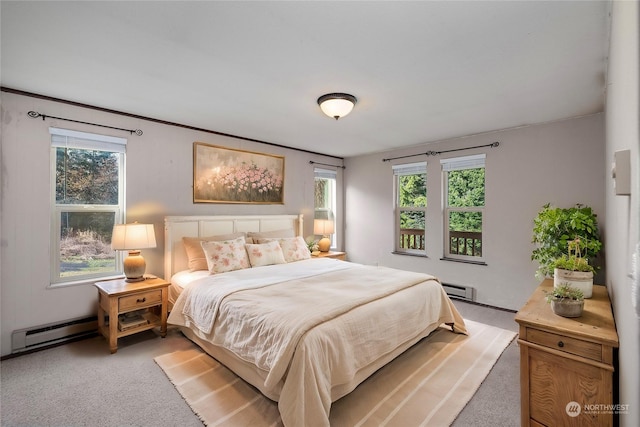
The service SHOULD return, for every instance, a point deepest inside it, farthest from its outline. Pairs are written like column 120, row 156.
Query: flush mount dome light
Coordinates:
column 337, row 105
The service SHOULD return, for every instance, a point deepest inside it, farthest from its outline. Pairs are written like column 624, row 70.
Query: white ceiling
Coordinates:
column 422, row 71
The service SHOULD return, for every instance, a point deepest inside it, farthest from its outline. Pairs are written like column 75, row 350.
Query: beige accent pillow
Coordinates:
column 253, row 236
column 195, row 254
column 228, row 255
column 265, row 254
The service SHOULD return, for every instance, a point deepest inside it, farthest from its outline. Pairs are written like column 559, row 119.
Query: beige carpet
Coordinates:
column 428, row 385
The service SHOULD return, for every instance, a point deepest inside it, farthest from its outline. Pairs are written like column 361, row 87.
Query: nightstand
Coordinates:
column 337, row 255
column 131, row 308
column 567, row 364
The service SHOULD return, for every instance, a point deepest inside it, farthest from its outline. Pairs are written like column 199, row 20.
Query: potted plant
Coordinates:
column 554, row 228
column 566, row 301
column 312, row 244
column 574, row 270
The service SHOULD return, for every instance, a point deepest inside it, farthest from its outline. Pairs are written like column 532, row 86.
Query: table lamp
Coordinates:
column 323, row 227
column 132, row 238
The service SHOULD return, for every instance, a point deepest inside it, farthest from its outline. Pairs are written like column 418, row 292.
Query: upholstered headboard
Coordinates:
column 177, row 227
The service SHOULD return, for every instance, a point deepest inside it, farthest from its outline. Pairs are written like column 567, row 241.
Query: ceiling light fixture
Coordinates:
column 337, row 105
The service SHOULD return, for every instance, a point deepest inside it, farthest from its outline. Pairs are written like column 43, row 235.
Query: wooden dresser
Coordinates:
column 567, row 365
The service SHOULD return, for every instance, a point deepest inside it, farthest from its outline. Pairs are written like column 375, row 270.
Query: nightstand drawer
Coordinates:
column 575, row 346
column 140, row 300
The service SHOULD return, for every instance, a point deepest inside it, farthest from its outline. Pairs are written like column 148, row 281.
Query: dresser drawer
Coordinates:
column 575, row 346
column 141, row 300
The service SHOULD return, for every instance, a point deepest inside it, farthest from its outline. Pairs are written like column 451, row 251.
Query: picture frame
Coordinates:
column 228, row 175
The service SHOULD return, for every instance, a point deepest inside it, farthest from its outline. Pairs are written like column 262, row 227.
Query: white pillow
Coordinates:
column 227, row 255
column 265, row 254
column 293, row 248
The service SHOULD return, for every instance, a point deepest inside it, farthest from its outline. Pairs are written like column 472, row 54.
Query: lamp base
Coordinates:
column 134, row 267
column 324, row 244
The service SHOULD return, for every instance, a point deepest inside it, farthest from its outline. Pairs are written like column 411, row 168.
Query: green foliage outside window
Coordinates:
column 465, row 189
column 412, row 192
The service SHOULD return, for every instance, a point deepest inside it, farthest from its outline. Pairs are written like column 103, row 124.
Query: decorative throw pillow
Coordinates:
column 265, row 254
column 293, row 248
column 225, row 256
column 254, row 236
column 195, row 254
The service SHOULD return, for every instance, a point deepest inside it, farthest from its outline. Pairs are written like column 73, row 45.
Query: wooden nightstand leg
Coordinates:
column 113, row 325
column 101, row 314
column 163, row 312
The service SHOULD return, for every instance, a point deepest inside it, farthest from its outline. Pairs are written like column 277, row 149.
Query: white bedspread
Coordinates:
column 201, row 299
column 311, row 325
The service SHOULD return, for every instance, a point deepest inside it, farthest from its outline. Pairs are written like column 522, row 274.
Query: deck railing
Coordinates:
column 465, row 243
column 412, row 238
column 460, row 242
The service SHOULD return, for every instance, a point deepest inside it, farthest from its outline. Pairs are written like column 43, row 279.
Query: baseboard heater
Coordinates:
column 460, row 292
column 52, row 333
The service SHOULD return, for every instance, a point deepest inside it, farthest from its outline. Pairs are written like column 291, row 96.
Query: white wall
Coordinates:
column 159, row 183
column 560, row 163
column 623, row 212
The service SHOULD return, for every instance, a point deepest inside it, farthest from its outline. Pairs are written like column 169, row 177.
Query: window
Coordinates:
column 87, row 176
column 464, row 189
column 325, row 198
column 410, row 189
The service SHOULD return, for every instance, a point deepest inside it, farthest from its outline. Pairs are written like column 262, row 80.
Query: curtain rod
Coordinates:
column 35, row 115
column 311, row 162
column 435, row 153
column 151, row 119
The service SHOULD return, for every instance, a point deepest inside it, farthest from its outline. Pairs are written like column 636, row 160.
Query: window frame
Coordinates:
column 475, row 161
column 407, row 169
column 65, row 138
column 328, row 212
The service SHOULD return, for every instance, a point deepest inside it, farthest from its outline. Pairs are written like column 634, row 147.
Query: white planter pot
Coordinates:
column 582, row 280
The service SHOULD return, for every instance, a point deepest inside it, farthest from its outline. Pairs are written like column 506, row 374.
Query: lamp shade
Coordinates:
column 133, row 236
column 337, row 105
column 323, row 227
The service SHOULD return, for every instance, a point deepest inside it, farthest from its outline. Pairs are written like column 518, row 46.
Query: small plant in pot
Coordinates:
column 566, row 301
column 574, row 270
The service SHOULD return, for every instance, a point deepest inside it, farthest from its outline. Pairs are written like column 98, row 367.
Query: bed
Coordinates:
column 304, row 331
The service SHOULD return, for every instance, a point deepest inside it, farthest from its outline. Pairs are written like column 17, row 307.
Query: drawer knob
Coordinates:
column 560, row 344
column 145, row 298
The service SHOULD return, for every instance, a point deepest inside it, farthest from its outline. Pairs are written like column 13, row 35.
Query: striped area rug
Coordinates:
column 428, row 385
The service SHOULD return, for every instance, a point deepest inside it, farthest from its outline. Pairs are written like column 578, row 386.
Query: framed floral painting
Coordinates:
column 225, row 175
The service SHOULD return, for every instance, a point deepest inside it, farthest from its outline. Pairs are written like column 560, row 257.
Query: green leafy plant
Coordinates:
column 565, row 292
column 555, row 228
